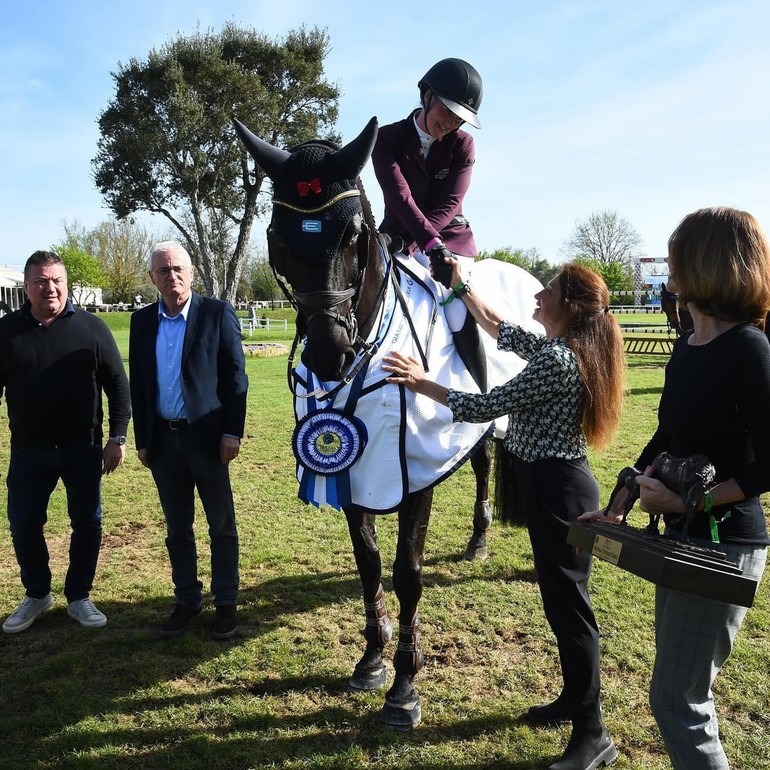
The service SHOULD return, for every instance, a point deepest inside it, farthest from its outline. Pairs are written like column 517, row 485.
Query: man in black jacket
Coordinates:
column 55, row 361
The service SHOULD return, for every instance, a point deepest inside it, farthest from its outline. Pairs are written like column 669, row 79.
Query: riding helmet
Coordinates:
column 458, row 85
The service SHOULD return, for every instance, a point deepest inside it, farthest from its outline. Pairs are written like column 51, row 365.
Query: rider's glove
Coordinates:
column 441, row 271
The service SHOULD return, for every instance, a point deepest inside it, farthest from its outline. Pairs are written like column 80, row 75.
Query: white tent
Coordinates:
column 11, row 288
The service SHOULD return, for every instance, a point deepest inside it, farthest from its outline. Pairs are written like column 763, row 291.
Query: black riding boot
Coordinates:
column 471, row 350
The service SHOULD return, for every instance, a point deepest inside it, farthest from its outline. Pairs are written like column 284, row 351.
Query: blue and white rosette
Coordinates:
column 326, row 444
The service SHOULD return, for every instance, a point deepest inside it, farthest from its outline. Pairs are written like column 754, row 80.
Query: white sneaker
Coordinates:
column 26, row 614
column 86, row 614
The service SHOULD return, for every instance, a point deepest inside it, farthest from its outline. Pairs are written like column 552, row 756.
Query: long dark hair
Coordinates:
column 594, row 337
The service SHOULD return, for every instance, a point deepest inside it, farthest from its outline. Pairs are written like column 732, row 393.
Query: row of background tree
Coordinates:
column 167, row 146
column 113, row 256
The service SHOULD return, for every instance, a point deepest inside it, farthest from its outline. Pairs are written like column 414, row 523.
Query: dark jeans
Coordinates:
column 32, row 477
column 179, row 466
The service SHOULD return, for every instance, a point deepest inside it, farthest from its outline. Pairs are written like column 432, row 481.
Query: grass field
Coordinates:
column 275, row 697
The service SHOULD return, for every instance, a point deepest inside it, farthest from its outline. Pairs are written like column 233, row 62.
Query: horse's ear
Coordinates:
column 352, row 157
column 269, row 158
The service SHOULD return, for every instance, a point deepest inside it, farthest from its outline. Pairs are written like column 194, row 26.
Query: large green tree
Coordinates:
column 84, row 272
column 167, row 144
column 617, row 276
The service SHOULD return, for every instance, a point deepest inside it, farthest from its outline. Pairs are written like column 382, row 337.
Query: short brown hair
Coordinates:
column 41, row 258
column 720, row 261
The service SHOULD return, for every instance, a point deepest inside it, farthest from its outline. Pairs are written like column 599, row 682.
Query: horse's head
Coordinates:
column 320, row 240
column 679, row 319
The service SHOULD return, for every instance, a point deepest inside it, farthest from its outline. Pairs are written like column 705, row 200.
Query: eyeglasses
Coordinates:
column 164, row 272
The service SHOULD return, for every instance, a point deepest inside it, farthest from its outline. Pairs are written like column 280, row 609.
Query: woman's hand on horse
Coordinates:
column 407, row 370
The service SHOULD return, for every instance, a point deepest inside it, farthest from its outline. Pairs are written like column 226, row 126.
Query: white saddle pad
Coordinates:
column 412, row 442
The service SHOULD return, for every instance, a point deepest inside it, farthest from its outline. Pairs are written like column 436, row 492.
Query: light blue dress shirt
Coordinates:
column 168, row 356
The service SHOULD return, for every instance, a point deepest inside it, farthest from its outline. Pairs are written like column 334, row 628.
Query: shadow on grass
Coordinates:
column 58, row 678
column 319, row 739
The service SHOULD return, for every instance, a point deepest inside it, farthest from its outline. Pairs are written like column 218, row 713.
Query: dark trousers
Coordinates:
column 555, row 492
column 32, row 477
column 179, row 466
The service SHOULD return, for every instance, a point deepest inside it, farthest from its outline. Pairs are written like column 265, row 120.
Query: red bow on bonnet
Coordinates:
column 304, row 188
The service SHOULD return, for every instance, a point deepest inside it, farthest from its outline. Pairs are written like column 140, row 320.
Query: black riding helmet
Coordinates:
column 458, row 85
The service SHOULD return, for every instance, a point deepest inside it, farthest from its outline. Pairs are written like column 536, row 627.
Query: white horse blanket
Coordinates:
column 411, row 441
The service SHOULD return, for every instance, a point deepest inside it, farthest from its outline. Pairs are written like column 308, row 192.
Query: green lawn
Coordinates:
column 120, row 697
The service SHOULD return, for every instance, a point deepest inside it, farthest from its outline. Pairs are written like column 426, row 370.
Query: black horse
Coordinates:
column 330, row 260
column 678, row 318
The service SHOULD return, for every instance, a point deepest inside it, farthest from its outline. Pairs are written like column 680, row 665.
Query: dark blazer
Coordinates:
column 214, row 382
column 424, row 197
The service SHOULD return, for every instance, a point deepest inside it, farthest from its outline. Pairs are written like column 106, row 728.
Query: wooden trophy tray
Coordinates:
column 665, row 561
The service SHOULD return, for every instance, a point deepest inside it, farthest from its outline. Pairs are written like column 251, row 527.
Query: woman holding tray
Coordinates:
column 716, row 402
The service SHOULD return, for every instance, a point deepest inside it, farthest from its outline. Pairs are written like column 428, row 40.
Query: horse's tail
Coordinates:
column 508, row 503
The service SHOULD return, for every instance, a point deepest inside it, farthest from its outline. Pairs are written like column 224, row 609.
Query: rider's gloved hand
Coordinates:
column 441, row 270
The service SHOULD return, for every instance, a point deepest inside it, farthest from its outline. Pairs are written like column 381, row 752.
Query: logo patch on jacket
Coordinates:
column 442, row 174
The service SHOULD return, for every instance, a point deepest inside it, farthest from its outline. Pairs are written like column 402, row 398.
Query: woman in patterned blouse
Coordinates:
column 568, row 396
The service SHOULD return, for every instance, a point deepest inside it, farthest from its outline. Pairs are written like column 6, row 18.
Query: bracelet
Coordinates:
column 459, row 291
column 708, row 501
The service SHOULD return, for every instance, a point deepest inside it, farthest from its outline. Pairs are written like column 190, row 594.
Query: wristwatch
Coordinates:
column 119, row 440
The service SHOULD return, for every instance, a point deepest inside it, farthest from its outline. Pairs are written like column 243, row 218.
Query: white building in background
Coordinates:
column 86, row 295
column 12, row 294
column 11, row 289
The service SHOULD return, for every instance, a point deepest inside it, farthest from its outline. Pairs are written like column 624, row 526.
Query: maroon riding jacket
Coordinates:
column 424, row 197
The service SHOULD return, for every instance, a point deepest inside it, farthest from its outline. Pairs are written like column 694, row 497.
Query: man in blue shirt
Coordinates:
column 188, row 391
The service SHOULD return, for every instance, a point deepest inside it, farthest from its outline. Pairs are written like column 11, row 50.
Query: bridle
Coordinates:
column 323, row 302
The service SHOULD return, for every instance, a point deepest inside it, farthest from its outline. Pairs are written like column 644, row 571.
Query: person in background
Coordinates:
column 188, row 391
column 569, row 395
column 55, row 362
column 716, row 402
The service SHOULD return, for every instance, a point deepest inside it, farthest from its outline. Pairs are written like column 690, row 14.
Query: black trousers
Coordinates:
column 555, row 492
column 179, row 467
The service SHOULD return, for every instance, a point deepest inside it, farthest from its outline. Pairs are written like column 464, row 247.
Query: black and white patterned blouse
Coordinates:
column 543, row 401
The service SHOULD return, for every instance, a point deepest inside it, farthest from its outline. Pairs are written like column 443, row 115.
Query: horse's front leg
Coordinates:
column 481, row 462
column 402, row 704
column 370, row 672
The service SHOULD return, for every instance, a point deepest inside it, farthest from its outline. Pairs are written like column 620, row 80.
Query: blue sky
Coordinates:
column 649, row 109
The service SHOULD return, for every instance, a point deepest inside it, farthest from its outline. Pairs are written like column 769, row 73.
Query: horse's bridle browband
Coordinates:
column 335, row 199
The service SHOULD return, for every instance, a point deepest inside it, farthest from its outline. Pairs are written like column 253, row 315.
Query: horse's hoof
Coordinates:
column 476, row 553
column 366, row 679
column 402, row 716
